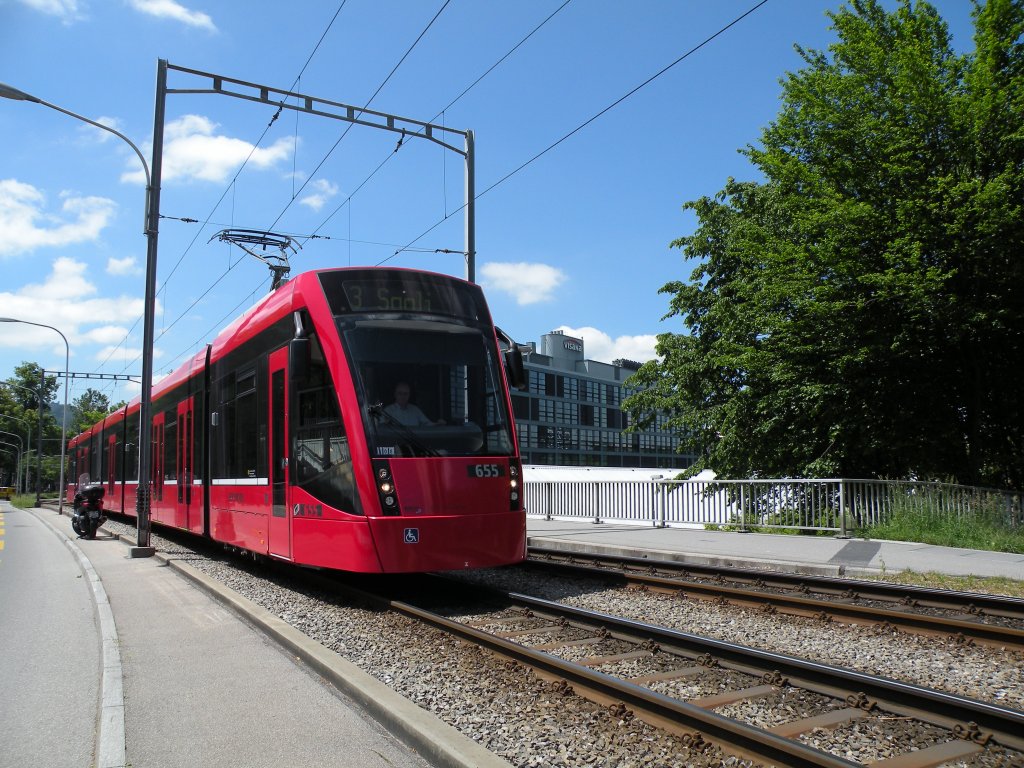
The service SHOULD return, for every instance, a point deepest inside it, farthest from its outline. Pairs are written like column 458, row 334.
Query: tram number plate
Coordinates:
column 486, row 470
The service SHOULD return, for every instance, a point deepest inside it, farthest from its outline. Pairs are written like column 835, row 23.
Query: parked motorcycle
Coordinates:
column 88, row 510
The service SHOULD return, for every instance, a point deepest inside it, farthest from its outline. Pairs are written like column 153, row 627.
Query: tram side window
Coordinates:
column 119, row 452
column 131, row 448
column 170, row 444
column 237, row 433
column 322, row 458
column 197, row 438
column 104, row 460
column 96, row 456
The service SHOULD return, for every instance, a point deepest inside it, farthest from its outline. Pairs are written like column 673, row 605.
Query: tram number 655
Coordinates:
column 486, row 470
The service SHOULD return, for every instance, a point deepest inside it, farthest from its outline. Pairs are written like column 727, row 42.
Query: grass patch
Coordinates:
column 976, row 531
column 28, row 500
column 990, row 585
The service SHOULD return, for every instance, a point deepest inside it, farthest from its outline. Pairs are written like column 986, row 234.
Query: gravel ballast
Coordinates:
column 512, row 712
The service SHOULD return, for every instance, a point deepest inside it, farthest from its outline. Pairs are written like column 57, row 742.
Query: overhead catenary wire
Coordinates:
column 514, row 171
column 295, row 194
column 255, row 145
column 314, row 235
column 583, row 125
column 220, row 322
column 348, row 128
column 234, row 179
column 452, row 103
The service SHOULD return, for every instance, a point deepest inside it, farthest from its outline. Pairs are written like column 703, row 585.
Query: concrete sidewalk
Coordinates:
column 817, row 555
column 194, row 684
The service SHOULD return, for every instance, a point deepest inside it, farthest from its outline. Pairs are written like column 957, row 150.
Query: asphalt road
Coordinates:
column 49, row 648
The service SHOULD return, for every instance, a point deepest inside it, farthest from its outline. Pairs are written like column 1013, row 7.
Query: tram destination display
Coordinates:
column 412, row 293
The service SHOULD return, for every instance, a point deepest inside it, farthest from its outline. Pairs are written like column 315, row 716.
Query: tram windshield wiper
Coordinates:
column 377, row 410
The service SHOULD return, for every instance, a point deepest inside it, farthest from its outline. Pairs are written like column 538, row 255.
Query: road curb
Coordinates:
column 696, row 558
column 110, row 730
column 437, row 741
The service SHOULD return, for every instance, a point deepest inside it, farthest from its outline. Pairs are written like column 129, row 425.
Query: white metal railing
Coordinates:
column 840, row 505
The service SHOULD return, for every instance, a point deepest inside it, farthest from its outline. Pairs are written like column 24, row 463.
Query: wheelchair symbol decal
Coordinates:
column 411, row 535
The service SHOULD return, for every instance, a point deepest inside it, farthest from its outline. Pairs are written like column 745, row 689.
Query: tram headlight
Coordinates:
column 386, row 488
column 514, row 477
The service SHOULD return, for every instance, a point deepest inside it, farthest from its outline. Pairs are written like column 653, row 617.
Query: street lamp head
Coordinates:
column 8, row 92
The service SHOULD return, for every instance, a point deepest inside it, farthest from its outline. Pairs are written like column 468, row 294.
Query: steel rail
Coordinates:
column 648, row 704
column 992, row 634
column 968, row 719
column 955, row 713
column 968, row 602
column 695, row 723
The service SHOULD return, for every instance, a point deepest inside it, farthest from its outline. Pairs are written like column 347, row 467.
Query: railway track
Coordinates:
column 716, row 702
column 963, row 617
column 581, row 651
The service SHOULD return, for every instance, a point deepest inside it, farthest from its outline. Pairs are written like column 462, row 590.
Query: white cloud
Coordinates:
column 526, row 283
column 599, row 346
column 120, row 353
column 322, row 191
column 26, row 225
column 169, row 9
column 126, row 266
column 68, row 301
column 67, row 10
column 98, row 135
column 106, row 334
column 193, row 151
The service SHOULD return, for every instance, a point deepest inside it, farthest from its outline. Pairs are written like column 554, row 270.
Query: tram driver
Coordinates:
column 405, row 413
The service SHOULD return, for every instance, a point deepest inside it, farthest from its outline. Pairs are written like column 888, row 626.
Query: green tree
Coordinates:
column 859, row 312
column 87, row 409
column 27, row 377
column 19, row 402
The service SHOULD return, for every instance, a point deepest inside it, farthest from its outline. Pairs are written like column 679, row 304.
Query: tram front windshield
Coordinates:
column 428, row 388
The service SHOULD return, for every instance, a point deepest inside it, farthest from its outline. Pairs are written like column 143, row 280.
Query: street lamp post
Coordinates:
column 10, row 448
column 39, row 439
column 150, row 229
column 28, row 442
column 21, row 453
column 64, row 416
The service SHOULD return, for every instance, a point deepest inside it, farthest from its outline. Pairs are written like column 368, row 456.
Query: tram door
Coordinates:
column 280, row 512
column 185, row 450
column 111, row 478
column 157, row 468
column 111, row 463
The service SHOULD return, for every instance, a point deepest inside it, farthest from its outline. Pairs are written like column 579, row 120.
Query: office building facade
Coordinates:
column 572, row 413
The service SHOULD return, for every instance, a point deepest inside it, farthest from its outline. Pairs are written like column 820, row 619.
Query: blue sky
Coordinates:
column 578, row 239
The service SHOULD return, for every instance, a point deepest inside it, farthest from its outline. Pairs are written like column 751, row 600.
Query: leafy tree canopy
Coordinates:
column 860, row 312
column 19, row 413
column 87, row 409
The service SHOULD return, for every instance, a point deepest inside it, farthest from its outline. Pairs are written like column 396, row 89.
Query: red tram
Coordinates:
column 281, row 437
